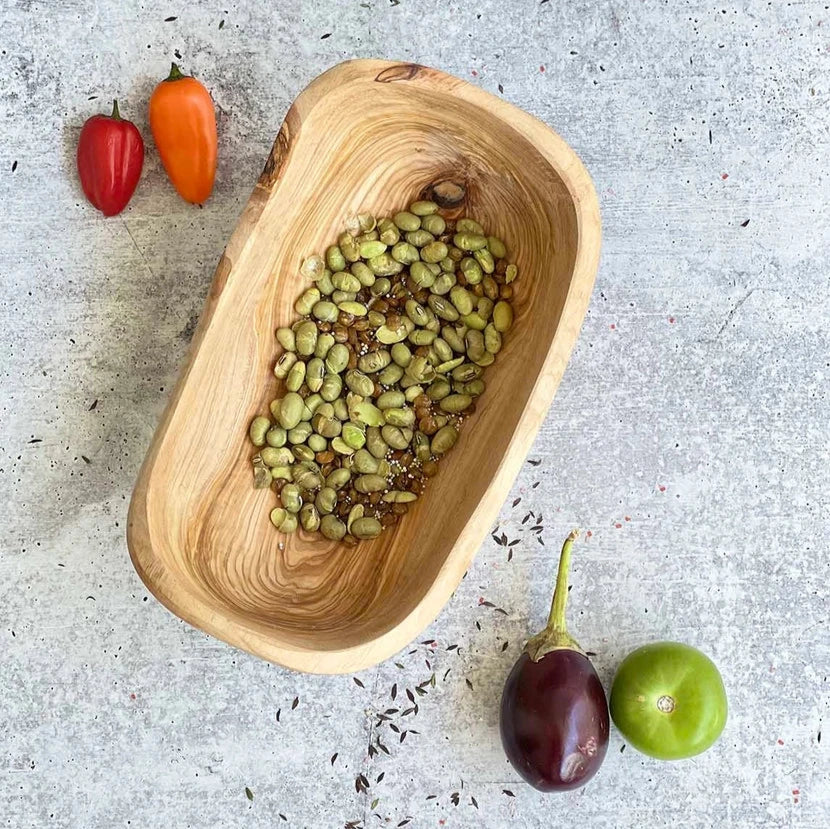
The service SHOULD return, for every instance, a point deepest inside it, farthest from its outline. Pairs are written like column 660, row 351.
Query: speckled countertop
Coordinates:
column 690, row 435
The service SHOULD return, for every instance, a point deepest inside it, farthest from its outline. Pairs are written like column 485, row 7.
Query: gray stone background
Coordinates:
column 690, row 434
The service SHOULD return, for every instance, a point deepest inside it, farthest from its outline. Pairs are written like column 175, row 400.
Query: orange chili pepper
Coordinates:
column 183, row 122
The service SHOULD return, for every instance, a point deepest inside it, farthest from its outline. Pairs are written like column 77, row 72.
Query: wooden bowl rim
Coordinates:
column 577, row 182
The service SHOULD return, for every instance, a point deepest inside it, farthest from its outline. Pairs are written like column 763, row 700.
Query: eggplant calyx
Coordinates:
column 555, row 636
column 547, row 640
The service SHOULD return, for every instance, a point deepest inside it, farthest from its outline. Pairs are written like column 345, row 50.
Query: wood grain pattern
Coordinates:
column 364, row 136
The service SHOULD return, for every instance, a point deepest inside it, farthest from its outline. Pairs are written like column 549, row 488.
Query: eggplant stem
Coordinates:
column 555, row 636
column 556, row 618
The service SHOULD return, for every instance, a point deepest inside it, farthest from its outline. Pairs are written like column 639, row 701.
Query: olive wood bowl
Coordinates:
column 368, row 136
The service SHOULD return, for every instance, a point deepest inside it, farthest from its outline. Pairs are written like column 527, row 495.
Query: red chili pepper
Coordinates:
column 110, row 158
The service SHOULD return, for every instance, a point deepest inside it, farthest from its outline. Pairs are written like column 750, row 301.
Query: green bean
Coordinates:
column 335, row 259
column 419, row 238
column 290, row 497
column 284, row 364
column 258, row 430
column 283, row 520
column 497, row 247
column 406, row 221
column 332, row 528
column 307, row 301
column 296, row 377
column 285, row 337
column 388, row 232
column 309, row 518
column 327, row 497
column 423, row 208
column 502, row 316
column 276, row 436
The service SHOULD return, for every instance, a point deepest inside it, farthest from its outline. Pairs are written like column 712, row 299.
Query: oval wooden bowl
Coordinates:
column 365, row 136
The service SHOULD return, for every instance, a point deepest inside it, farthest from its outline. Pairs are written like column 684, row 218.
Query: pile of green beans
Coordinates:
column 381, row 368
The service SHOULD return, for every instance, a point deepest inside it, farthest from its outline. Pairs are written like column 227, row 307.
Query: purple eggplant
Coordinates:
column 554, row 715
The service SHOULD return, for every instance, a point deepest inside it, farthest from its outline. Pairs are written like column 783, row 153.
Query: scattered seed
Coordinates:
column 295, row 703
column 358, row 682
column 508, row 792
column 248, row 793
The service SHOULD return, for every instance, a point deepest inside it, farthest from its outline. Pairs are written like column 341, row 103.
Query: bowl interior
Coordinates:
column 367, row 146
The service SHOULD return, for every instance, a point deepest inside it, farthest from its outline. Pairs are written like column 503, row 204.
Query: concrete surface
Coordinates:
column 690, row 434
